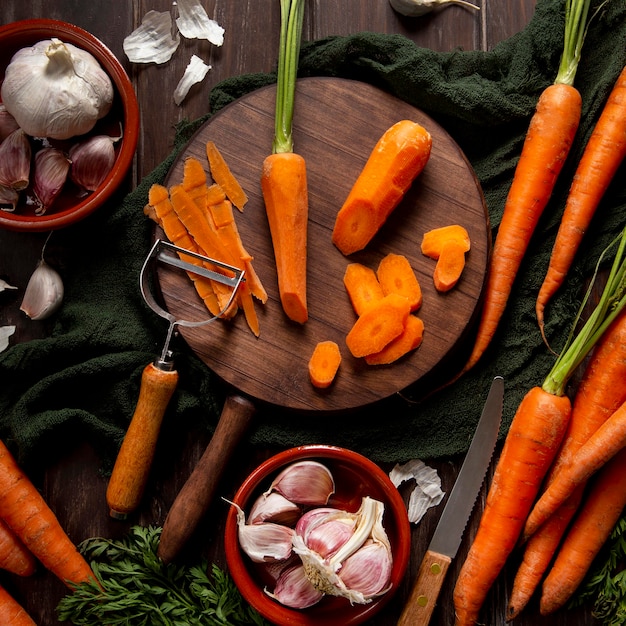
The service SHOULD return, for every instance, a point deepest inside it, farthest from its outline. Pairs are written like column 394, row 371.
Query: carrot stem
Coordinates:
column 576, row 12
column 292, row 16
column 611, row 303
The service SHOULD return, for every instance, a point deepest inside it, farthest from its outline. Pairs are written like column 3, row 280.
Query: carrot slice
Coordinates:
column 324, row 363
column 396, row 275
column 397, row 159
column 433, row 240
column 195, row 182
column 382, row 322
column 449, row 266
column 223, row 176
column 410, row 339
column 362, row 286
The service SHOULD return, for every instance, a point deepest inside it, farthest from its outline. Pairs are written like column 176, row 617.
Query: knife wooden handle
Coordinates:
column 421, row 603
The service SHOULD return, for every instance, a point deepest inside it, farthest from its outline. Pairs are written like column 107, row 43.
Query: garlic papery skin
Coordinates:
column 50, row 171
column 44, row 292
column 324, row 572
column 274, row 507
column 91, row 161
column 416, row 8
column 265, row 542
column 15, row 155
column 294, row 589
column 305, row 482
column 55, row 89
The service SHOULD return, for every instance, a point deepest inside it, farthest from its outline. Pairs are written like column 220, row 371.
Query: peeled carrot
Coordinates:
column 381, row 323
column 11, row 613
column 530, row 447
column 362, row 286
column 283, row 177
column 603, row 154
column 409, row 339
column 546, row 146
column 397, row 159
column 396, row 275
column 223, row 176
column 324, row 364
column 592, row 527
column 28, row 515
column 600, row 392
column 14, row 555
column 531, row 443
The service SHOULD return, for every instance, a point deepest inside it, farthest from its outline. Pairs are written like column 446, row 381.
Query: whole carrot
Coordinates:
column 599, row 394
column 592, row 527
column 28, row 515
column 11, row 613
column 530, row 447
column 546, row 146
column 283, row 177
column 601, row 158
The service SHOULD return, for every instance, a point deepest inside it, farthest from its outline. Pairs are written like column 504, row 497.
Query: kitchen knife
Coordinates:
column 449, row 532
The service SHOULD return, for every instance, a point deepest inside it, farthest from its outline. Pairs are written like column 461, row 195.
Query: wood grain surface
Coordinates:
column 337, row 123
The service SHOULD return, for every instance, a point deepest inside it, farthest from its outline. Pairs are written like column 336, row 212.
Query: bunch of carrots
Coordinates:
column 30, row 533
column 198, row 216
column 546, row 441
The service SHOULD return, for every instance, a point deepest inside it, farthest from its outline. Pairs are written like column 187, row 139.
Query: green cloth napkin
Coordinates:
column 81, row 383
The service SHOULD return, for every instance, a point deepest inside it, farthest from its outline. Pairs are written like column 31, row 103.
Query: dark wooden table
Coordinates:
column 74, row 488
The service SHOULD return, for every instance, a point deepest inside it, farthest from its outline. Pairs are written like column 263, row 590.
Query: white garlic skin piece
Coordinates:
column 56, row 90
column 417, row 8
column 44, row 293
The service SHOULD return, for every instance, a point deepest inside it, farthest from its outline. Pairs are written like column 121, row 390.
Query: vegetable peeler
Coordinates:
column 159, row 378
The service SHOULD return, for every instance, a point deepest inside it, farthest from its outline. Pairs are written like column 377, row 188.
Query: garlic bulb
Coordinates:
column 51, row 167
column 415, row 8
column 56, row 90
column 44, row 292
column 15, row 154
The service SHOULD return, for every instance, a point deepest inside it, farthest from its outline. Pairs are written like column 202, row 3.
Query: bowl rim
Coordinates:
column 45, row 28
column 270, row 609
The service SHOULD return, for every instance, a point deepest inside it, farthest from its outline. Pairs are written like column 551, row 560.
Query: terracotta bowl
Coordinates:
column 72, row 205
column 355, row 477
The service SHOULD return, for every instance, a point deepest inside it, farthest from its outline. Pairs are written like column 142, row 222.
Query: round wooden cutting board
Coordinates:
column 337, row 122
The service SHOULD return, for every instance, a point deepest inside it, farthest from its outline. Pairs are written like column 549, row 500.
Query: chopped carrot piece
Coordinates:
column 433, row 240
column 449, row 265
column 396, row 275
column 410, row 339
column 324, row 363
column 382, row 322
column 223, row 176
column 362, row 286
column 194, row 181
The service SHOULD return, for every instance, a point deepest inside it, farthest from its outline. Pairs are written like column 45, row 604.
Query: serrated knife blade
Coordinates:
column 449, row 532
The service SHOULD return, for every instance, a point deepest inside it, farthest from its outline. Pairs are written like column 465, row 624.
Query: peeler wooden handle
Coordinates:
column 132, row 466
column 194, row 498
column 421, row 603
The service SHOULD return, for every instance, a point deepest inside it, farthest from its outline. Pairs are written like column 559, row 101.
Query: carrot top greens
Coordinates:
column 610, row 305
column 292, row 15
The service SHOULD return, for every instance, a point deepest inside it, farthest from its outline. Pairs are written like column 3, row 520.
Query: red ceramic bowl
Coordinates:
column 355, row 477
column 71, row 206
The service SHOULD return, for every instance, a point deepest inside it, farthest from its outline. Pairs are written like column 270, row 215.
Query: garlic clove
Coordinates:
column 44, row 292
column 50, row 171
column 368, row 570
column 265, row 542
column 7, row 123
column 8, row 198
column 293, row 589
column 274, row 507
column 305, row 482
column 328, row 537
column 15, row 154
column 91, row 161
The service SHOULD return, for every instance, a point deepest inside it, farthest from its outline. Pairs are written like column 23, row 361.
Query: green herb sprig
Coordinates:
column 605, row 584
column 139, row 589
